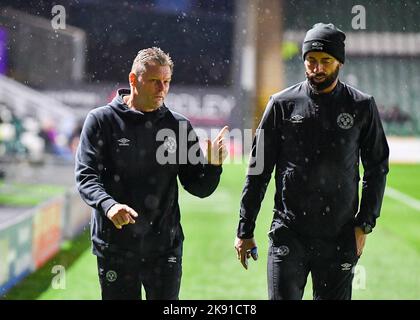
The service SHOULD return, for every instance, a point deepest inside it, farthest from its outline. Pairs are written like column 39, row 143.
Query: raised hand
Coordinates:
column 216, row 150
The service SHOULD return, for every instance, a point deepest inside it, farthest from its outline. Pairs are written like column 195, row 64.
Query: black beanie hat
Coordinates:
column 326, row 38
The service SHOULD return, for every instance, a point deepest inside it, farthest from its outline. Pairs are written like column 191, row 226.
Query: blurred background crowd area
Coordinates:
column 229, row 56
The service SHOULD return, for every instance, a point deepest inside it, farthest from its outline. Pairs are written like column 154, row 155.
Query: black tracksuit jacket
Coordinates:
column 314, row 141
column 116, row 162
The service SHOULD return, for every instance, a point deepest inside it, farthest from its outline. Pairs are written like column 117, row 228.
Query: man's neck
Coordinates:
column 131, row 103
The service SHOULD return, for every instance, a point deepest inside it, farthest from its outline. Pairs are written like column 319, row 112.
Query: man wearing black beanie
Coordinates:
column 314, row 134
column 325, row 38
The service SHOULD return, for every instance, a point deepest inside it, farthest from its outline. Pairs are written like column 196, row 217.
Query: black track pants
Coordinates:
column 331, row 263
column 122, row 280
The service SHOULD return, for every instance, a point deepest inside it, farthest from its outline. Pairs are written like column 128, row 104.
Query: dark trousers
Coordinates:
column 122, row 279
column 330, row 262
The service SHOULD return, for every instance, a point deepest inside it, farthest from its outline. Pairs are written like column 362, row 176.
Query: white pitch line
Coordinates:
column 403, row 198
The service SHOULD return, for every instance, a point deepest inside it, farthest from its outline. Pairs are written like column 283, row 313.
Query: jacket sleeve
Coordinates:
column 197, row 176
column 262, row 160
column 89, row 166
column 374, row 154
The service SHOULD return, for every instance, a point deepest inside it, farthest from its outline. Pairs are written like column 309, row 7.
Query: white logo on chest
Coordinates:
column 345, row 121
column 123, row 142
column 297, row 118
column 170, row 144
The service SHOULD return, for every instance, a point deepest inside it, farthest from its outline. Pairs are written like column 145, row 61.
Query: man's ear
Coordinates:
column 132, row 79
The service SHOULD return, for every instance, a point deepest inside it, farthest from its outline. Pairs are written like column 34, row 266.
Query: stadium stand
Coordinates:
column 59, row 55
column 383, row 59
column 32, row 123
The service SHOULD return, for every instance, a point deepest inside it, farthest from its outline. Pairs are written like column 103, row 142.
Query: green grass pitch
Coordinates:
column 388, row 269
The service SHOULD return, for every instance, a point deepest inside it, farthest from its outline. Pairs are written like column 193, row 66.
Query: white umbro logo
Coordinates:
column 346, row 266
column 317, row 45
column 297, row 118
column 123, row 142
column 172, row 259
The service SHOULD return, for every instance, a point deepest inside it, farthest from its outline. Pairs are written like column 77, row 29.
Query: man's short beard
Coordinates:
column 319, row 86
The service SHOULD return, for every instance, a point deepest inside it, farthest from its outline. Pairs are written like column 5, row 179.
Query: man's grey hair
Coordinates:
column 146, row 56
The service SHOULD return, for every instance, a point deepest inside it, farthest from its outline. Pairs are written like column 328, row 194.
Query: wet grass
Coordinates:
column 45, row 279
column 388, row 268
column 26, row 195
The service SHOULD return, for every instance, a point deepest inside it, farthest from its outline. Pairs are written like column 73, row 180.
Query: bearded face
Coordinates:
column 321, row 70
column 321, row 81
